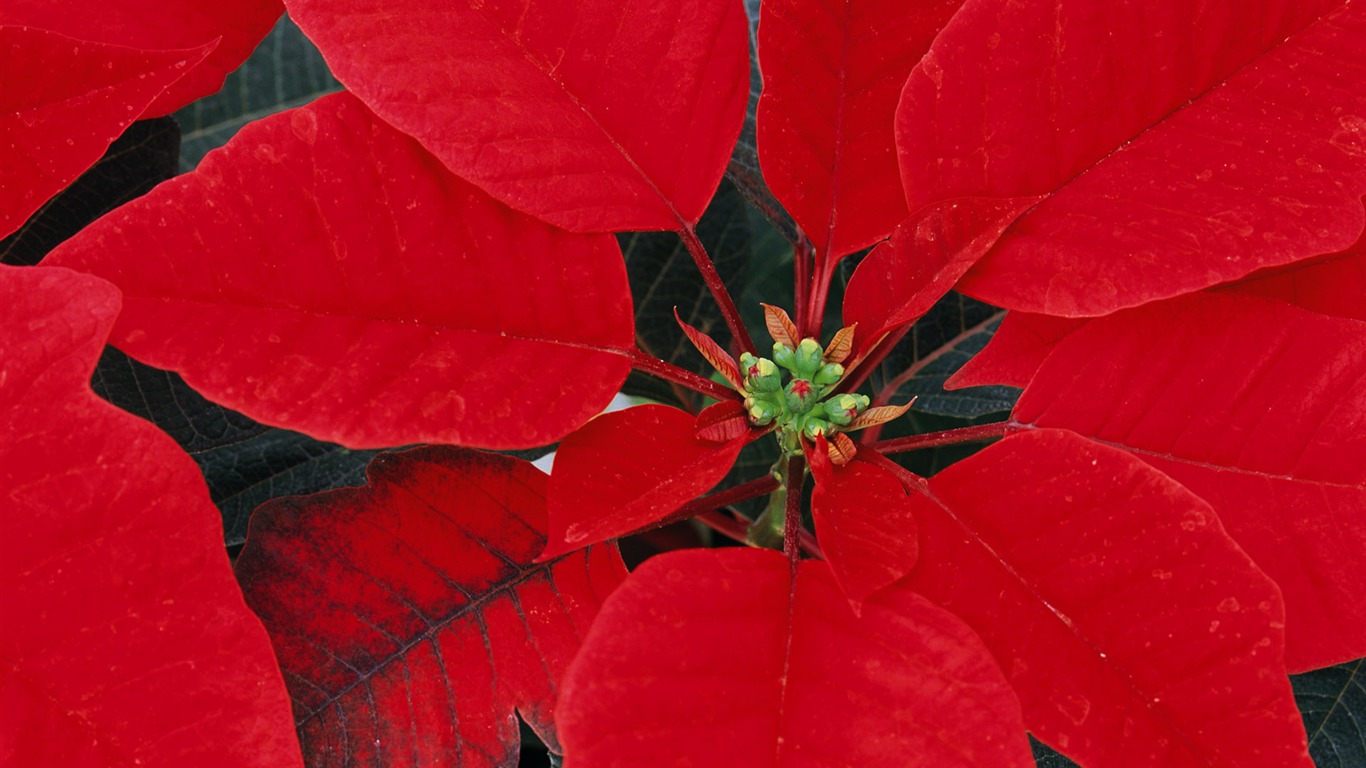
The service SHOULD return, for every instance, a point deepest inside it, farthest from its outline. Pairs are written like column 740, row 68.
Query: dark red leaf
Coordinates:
column 865, row 525
column 1258, row 407
column 593, row 115
column 1015, row 351
column 126, row 641
column 231, row 28
column 56, row 121
column 1333, row 285
column 628, row 470
column 718, row 358
column 833, row 72
column 323, row 273
column 408, row 616
column 903, row 277
column 716, row 658
column 723, row 422
column 1181, row 145
column 1134, row 630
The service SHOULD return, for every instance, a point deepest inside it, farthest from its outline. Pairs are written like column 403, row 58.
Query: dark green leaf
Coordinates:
column 164, row 399
column 244, row 475
column 1045, row 757
column 954, row 330
column 663, row 276
column 144, row 156
column 286, row 71
column 1333, row 703
column 743, row 169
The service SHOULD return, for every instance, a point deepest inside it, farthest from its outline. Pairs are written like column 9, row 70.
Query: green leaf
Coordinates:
column 954, row 330
column 286, row 71
column 743, row 169
column 1333, row 702
column 663, row 276
column 144, row 156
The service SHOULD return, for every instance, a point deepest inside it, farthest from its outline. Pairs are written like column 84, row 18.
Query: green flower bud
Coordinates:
column 842, row 409
column 809, row 357
column 784, row 356
column 801, row 396
column 829, row 374
column 815, row 425
column 761, row 412
column 761, row 375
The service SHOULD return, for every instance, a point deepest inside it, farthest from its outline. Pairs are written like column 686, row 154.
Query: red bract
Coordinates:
column 1167, row 196
column 126, row 641
column 357, row 302
column 408, row 615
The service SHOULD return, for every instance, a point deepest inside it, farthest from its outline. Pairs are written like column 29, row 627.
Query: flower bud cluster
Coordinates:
column 798, row 406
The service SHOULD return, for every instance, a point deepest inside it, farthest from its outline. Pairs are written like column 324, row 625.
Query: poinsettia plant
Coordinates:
column 1164, row 201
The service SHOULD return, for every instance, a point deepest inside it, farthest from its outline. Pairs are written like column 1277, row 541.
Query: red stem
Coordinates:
column 730, row 527
column 792, row 514
column 820, row 292
column 734, row 495
column 947, row 437
column 717, row 287
column 670, row 372
column 869, row 362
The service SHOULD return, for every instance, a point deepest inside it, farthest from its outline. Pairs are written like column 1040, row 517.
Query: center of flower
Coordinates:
column 793, row 392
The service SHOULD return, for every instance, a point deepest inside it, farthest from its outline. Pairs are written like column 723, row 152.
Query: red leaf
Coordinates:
column 723, row 422
column 865, row 526
column 126, row 641
column 1258, row 407
column 810, row 684
column 592, row 115
column 833, row 72
column 1181, row 144
column 1015, row 351
column 628, row 470
column 408, row 616
column 903, row 277
column 231, row 29
column 713, row 353
column 1134, row 630
column 56, row 121
column 1333, row 285
column 323, row 273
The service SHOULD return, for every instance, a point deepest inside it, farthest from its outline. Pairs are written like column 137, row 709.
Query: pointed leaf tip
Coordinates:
column 713, row 353
column 880, row 415
column 841, row 345
column 780, row 326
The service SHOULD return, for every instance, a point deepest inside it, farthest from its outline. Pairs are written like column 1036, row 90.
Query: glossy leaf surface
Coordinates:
column 926, row 255
column 591, row 115
column 833, row 73
column 55, row 122
column 231, row 28
column 864, row 523
column 809, row 686
column 1248, row 114
column 1015, row 351
column 408, row 616
column 325, row 274
column 1276, row 442
column 126, row 641
column 1134, row 630
column 628, row 470
column 1332, row 285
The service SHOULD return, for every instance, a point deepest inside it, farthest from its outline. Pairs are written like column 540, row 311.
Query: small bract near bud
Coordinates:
column 809, row 358
column 829, row 374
